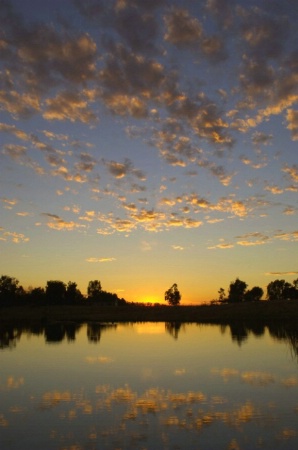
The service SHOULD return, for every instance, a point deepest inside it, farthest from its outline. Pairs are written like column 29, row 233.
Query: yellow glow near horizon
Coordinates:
column 150, row 299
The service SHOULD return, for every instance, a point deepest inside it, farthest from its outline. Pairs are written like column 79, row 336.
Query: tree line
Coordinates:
column 276, row 290
column 55, row 292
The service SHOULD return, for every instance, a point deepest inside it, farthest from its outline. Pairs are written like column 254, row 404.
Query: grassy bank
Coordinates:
column 262, row 312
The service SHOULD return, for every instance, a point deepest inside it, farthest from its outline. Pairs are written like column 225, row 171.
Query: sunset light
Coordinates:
column 147, row 143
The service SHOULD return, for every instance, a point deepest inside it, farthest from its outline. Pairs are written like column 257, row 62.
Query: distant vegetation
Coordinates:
column 276, row 290
column 55, row 293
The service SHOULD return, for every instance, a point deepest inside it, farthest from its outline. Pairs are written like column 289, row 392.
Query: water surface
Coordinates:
column 148, row 386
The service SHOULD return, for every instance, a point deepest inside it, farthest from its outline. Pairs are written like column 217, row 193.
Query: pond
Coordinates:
column 148, row 386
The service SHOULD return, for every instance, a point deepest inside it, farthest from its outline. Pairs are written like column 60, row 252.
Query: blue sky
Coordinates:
column 149, row 142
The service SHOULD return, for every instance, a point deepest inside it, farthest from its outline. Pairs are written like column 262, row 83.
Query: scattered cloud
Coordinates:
column 151, row 119
column 177, row 247
column 68, row 106
column 100, row 260
column 12, row 236
column 251, row 239
column 281, row 273
column 275, row 190
column 8, row 202
column 222, row 246
column 57, row 223
column 292, row 118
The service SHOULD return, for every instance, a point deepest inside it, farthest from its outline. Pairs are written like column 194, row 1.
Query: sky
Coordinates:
column 149, row 142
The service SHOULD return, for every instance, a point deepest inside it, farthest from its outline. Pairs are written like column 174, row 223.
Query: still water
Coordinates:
column 148, row 386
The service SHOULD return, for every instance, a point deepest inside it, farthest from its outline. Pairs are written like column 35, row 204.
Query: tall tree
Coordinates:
column 222, row 295
column 9, row 289
column 236, row 291
column 172, row 295
column 55, row 291
column 253, row 295
column 94, row 289
column 276, row 290
column 72, row 293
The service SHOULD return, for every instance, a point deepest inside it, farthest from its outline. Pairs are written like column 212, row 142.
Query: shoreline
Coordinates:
column 257, row 312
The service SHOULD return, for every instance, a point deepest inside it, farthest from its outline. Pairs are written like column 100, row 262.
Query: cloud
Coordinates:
column 181, row 28
column 127, row 74
column 146, row 246
column 252, row 239
column 292, row 172
column 121, row 170
column 55, row 222
column 100, row 260
column 250, row 243
column 184, row 30
column 275, row 190
column 69, row 105
column 146, row 215
column 254, row 165
column 129, row 206
column 289, row 211
column 124, row 105
column 281, row 273
column 20, row 106
column 86, row 162
column 260, row 138
column 12, row 129
column 23, row 214
column 214, row 220
column 9, row 202
column 286, row 236
column 222, row 246
column 16, row 152
column 12, row 236
column 177, row 247
column 292, row 118
column 218, row 171
column 263, row 34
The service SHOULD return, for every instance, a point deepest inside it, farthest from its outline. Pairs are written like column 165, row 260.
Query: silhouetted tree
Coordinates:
column 222, row 295
column 254, row 294
column 9, row 289
column 172, row 295
column 55, row 291
column 291, row 291
column 94, row 290
column 276, row 290
column 36, row 295
column 236, row 291
column 107, row 298
column 72, row 293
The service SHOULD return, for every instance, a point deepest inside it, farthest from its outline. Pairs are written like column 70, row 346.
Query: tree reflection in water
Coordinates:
column 173, row 328
column 9, row 337
column 57, row 332
column 94, row 330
